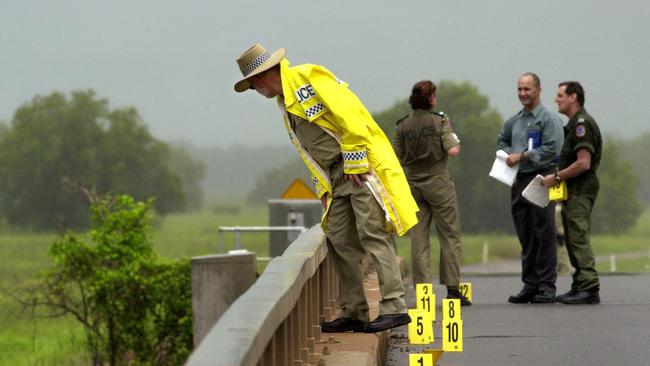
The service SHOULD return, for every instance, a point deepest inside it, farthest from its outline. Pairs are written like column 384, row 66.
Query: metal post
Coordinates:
column 239, row 229
column 325, row 290
column 282, row 355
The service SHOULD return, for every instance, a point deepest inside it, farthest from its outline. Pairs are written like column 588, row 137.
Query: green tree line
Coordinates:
column 636, row 152
column 57, row 143
column 484, row 202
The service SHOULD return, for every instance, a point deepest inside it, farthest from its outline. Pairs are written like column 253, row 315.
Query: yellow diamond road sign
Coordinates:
column 298, row 190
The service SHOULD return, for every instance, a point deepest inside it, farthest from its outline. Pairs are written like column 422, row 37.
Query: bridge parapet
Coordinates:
column 276, row 322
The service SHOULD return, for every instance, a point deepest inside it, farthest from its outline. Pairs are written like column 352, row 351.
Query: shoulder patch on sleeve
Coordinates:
column 308, row 94
column 580, row 130
column 304, row 93
column 315, row 110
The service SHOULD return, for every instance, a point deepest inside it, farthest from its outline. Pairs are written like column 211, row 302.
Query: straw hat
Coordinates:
column 254, row 61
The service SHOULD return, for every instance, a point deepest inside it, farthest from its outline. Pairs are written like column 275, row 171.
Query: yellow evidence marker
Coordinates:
column 452, row 326
column 465, row 289
column 436, row 353
column 452, row 335
column 420, row 328
column 451, row 309
column 425, row 299
column 420, row 359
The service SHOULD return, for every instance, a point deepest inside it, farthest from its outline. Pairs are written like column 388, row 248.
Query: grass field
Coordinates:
column 60, row 341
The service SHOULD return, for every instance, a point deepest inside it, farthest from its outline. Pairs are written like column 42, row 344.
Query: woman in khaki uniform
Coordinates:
column 423, row 142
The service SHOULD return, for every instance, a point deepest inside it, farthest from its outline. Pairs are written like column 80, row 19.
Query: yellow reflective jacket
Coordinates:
column 312, row 92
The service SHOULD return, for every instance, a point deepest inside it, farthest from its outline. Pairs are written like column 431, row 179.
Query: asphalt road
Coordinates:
column 616, row 332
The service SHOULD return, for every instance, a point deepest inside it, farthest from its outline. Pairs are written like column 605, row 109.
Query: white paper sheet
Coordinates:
column 536, row 193
column 501, row 171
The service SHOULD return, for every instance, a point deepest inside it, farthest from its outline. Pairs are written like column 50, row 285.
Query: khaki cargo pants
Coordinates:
column 356, row 225
column 576, row 218
column 436, row 198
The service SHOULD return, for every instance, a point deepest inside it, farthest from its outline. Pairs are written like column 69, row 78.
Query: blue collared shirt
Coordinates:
column 539, row 132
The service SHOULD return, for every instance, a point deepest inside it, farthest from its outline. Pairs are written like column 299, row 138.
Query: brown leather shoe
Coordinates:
column 387, row 321
column 340, row 325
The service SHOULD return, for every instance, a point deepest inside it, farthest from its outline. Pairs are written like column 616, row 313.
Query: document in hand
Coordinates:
column 536, row 193
column 501, row 171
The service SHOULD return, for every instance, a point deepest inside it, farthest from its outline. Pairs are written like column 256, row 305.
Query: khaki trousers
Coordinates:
column 356, row 225
column 436, row 198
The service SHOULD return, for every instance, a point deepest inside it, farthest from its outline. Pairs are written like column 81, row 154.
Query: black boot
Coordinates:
column 340, row 325
column 387, row 321
column 571, row 292
column 454, row 293
column 545, row 295
column 581, row 297
column 523, row 297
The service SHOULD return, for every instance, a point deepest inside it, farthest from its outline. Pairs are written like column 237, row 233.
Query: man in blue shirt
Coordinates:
column 533, row 140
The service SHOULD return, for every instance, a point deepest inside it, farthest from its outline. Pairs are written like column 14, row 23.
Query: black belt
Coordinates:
column 534, row 173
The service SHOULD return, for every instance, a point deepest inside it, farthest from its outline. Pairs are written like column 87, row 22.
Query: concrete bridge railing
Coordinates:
column 276, row 322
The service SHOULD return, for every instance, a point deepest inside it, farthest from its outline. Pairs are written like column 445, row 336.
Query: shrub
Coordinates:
column 134, row 305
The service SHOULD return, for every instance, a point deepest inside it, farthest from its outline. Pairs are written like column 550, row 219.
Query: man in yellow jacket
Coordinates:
column 356, row 174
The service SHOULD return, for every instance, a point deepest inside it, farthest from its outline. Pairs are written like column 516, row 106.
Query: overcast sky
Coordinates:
column 175, row 60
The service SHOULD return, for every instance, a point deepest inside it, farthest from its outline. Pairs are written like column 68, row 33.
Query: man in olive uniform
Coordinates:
column 578, row 164
column 423, row 142
column 356, row 174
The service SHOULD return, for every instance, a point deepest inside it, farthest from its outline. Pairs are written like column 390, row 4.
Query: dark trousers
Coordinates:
column 535, row 227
